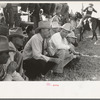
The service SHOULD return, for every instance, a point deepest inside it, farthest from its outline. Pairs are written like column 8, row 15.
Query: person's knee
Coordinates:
column 61, row 54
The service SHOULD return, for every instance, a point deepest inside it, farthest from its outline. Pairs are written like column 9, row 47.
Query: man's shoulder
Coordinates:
column 56, row 34
column 34, row 37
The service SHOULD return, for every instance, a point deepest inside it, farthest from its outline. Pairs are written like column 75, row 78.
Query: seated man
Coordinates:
column 6, row 74
column 58, row 46
column 72, row 43
column 16, row 39
column 35, row 59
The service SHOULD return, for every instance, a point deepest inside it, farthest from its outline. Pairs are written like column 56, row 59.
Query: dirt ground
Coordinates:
column 85, row 69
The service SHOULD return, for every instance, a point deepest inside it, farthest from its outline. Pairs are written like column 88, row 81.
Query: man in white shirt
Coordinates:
column 58, row 46
column 35, row 59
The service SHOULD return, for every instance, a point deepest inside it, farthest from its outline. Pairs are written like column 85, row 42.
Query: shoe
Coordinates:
column 44, row 78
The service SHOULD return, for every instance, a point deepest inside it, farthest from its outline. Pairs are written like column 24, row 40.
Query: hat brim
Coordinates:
column 15, row 35
column 65, row 29
column 37, row 29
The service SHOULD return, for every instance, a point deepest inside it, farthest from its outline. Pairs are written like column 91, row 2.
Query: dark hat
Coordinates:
column 4, row 44
column 4, row 30
column 17, row 31
column 90, row 4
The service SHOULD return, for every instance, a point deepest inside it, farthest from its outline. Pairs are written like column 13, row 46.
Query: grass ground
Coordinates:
column 87, row 68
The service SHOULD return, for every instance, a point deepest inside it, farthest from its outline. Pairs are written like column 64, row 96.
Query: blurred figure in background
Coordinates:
column 30, row 31
column 55, row 28
column 6, row 71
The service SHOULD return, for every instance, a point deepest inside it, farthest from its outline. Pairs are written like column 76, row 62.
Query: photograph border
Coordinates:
column 67, row 90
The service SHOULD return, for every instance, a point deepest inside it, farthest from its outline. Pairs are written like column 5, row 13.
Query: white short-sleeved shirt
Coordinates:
column 57, row 42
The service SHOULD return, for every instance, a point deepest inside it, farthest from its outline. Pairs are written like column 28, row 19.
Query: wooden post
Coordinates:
column 82, row 10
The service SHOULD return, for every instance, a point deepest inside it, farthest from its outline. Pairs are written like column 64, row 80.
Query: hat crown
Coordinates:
column 67, row 26
column 44, row 24
column 90, row 4
column 4, row 44
column 16, row 31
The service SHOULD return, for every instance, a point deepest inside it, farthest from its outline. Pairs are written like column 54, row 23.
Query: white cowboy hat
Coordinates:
column 67, row 26
column 42, row 25
column 4, row 44
column 17, row 31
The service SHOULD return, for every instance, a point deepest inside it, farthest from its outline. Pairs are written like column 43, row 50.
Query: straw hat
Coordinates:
column 67, row 26
column 72, row 35
column 4, row 44
column 17, row 31
column 55, row 25
column 43, row 24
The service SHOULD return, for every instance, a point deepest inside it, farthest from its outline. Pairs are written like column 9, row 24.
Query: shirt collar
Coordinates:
column 40, row 37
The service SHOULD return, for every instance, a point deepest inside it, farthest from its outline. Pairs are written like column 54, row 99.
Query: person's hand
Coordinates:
column 11, row 67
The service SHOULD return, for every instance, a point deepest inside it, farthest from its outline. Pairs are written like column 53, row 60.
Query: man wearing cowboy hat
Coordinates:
column 72, row 39
column 35, row 59
column 6, row 72
column 16, row 39
column 58, row 46
column 16, row 36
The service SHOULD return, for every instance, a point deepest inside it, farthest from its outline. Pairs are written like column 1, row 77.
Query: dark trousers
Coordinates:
column 35, row 67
